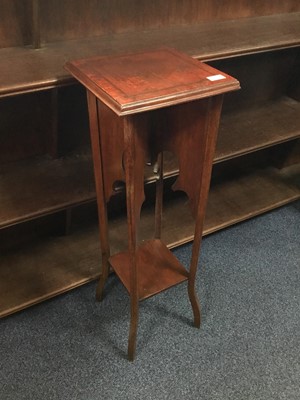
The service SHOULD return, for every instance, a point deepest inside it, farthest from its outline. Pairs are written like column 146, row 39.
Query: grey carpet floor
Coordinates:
column 248, row 346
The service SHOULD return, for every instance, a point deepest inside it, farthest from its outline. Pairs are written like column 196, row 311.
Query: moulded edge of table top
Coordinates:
column 56, row 270
column 25, row 69
column 164, row 69
column 269, row 124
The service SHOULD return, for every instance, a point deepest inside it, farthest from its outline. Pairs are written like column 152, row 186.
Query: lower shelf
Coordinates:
column 157, row 268
column 55, row 265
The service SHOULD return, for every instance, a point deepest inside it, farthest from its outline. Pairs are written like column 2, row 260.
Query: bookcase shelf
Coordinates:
column 57, row 184
column 27, row 69
column 45, row 159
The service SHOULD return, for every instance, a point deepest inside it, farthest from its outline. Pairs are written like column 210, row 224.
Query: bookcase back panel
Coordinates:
column 294, row 84
column 15, row 25
column 72, row 19
column 26, row 126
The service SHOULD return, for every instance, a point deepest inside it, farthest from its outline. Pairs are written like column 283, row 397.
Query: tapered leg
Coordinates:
column 102, row 279
column 213, row 112
column 99, row 182
column 134, row 316
column 134, row 158
column 191, row 282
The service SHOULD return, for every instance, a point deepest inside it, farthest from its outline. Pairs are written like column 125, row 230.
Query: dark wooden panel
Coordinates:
column 15, row 23
column 287, row 154
column 73, row 125
column 294, row 84
column 24, row 234
column 291, row 175
column 26, row 127
column 27, row 70
column 72, row 19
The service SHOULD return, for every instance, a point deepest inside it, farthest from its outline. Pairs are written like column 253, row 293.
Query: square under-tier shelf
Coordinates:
column 157, row 268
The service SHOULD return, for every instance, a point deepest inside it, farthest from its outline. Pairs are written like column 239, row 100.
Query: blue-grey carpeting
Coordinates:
column 248, row 346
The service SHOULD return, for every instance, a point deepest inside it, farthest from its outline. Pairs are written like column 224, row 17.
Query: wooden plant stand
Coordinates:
column 141, row 105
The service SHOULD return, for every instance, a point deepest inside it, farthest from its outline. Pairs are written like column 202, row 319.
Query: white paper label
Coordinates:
column 216, row 77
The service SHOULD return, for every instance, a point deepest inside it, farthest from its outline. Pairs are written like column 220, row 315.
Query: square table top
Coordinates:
column 132, row 83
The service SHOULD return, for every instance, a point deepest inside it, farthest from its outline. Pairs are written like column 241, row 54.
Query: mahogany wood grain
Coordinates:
column 149, row 80
column 165, row 82
column 135, row 140
column 112, row 157
column 212, row 119
column 182, row 130
column 157, row 268
column 98, row 150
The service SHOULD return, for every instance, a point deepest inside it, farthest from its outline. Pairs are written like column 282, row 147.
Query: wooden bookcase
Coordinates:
column 48, row 227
